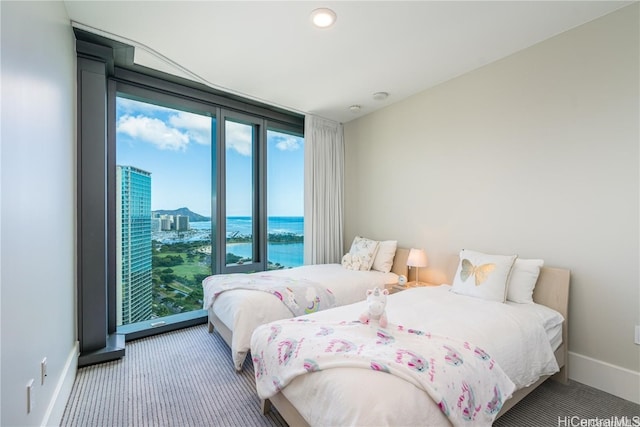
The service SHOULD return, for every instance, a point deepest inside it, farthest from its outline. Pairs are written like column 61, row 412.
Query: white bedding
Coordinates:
column 515, row 335
column 243, row 310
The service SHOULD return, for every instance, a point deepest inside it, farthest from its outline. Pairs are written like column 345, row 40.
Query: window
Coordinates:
column 285, row 204
column 243, row 151
column 138, row 257
column 163, row 209
column 199, row 190
column 240, row 158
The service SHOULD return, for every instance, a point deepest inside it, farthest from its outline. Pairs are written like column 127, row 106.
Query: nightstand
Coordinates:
column 397, row 288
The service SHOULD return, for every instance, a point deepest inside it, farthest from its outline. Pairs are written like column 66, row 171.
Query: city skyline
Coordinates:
column 175, row 147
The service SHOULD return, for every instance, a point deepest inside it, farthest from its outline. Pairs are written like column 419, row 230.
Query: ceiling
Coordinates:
column 268, row 51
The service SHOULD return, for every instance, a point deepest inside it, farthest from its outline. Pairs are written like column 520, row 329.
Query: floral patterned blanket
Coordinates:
column 299, row 295
column 465, row 381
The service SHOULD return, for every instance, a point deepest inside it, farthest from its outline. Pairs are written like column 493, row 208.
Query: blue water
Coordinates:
column 243, row 225
column 286, row 254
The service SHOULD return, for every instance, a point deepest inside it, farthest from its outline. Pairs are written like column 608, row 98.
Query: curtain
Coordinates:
column 323, row 191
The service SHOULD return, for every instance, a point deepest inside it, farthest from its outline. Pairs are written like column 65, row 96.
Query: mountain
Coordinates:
column 193, row 217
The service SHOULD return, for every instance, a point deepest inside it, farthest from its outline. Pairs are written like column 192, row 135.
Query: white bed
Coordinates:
column 337, row 396
column 236, row 313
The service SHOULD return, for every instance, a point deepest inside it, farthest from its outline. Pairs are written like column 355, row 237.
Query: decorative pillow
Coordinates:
column 384, row 258
column 483, row 276
column 366, row 250
column 351, row 262
column 524, row 276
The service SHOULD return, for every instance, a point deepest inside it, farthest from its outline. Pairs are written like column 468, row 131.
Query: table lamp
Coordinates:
column 417, row 258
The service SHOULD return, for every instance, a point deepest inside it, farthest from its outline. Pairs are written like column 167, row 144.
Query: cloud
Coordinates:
column 153, row 131
column 197, row 127
column 239, row 138
column 139, row 120
column 179, row 128
column 287, row 143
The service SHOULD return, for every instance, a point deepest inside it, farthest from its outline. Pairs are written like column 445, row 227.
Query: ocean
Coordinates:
column 286, row 254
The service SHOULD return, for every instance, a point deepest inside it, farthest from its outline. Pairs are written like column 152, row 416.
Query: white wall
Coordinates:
column 38, row 212
column 536, row 154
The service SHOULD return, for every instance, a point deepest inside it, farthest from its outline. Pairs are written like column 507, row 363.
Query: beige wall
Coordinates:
column 537, row 155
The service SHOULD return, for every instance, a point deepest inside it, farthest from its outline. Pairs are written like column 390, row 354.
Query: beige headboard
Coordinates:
column 400, row 262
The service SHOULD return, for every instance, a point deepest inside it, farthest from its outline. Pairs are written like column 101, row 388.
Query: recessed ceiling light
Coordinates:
column 323, row 17
column 380, row 96
column 355, row 108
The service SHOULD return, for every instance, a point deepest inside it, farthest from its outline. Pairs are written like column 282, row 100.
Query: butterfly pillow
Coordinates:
column 483, row 276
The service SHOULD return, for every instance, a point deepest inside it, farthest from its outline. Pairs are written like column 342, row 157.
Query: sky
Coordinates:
column 175, row 147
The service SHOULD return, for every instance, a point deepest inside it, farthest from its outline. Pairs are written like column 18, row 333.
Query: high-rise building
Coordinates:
column 133, row 240
column 166, row 223
column 181, row 222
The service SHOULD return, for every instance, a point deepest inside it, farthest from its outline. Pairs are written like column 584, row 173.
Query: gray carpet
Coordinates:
column 181, row 378
column 186, row 378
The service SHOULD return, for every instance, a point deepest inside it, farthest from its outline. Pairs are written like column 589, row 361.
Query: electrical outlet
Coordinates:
column 30, row 397
column 43, row 370
column 637, row 340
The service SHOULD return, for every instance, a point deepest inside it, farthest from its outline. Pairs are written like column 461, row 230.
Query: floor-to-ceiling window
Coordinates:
column 199, row 189
column 285, row 199
column 241, row 213
column 156, row 186
column 256, row 201
column 163, row 209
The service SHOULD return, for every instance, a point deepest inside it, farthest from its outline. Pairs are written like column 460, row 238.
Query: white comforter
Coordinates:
column 243, row 310
column 515, row 335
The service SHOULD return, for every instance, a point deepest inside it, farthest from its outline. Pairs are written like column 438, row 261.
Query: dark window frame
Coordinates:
column 121, row 76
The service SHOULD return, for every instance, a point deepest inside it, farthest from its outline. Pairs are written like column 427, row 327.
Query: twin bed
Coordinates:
column 528, row 342
column 237, row 312
column 449, row 355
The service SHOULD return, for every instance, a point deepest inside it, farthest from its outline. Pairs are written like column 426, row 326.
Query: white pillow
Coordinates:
column 524, row 276
column 351, row 262
column 365, row 250
column 384, row 258
column 483, row 276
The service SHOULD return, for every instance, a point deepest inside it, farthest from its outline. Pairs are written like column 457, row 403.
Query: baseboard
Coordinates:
column 55, row 411
column 604, row 376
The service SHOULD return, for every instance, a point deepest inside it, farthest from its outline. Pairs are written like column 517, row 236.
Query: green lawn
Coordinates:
column 188, row 269
column 184, row 282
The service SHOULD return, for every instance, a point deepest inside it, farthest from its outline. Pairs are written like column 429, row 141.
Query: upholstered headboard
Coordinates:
column 400, row 262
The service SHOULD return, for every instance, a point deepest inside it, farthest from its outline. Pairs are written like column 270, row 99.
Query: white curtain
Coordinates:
column 323, row 190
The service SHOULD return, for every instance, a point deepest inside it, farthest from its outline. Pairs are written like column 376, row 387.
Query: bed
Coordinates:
column 337, row 397
column 235, row 313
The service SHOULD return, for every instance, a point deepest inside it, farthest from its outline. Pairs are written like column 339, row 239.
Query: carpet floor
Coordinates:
column 186, row 378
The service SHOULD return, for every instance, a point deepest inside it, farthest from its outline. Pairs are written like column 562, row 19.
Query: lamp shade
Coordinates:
column 417, row 258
